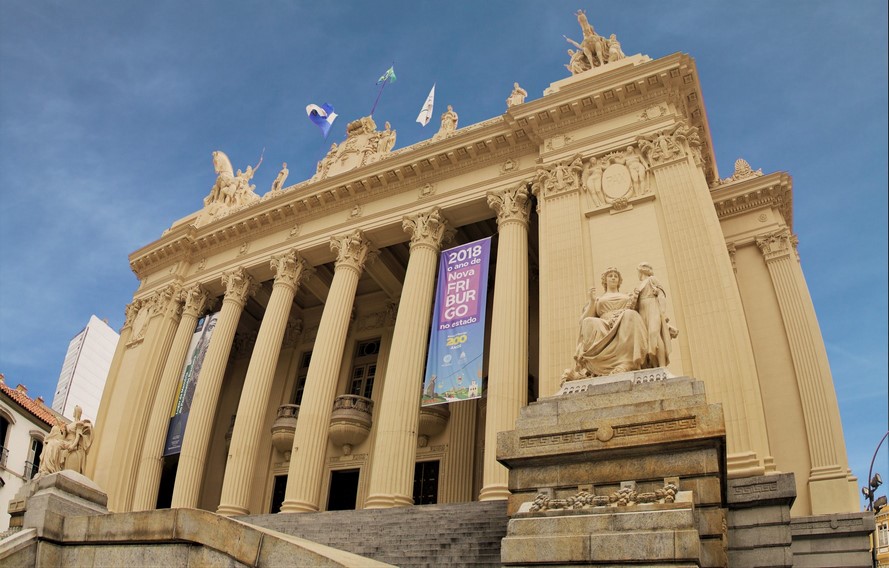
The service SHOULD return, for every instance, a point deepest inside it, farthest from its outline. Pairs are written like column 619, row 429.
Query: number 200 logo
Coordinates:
column 456, row 340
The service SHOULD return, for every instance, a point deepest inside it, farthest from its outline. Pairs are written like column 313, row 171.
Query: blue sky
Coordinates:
column 109, row 112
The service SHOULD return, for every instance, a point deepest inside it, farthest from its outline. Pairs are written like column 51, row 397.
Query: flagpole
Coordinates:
column 378, row 97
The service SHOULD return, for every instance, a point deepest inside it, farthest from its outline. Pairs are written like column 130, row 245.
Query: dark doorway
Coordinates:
column 343, row 490
column 278, row 493
column 168, row 479
column 426, row 483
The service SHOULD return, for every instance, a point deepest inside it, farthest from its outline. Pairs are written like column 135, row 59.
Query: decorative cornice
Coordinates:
column 239, row 285
column 352, row 249
column 772, row 190
column 513, row 205
column 427, row 229
column 289, row 269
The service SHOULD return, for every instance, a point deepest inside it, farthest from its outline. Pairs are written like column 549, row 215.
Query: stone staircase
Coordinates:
column 463, row 534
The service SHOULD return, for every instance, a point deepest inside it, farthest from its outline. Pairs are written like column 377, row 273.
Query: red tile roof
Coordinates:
column 20, row 395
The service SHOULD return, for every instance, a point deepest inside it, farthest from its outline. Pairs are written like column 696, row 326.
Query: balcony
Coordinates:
column 350, row 421
column 433, row 420
column 283, row 428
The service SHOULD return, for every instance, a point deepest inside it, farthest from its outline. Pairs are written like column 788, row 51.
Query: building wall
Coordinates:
column 747, row 326
column 21, row 430
column 85, row 369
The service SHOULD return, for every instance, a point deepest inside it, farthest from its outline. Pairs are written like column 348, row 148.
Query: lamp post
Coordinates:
column 874, row 481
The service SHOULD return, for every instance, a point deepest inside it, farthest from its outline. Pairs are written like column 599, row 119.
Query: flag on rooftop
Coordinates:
column 426, row 112
column 389, row 75
column 323, row 116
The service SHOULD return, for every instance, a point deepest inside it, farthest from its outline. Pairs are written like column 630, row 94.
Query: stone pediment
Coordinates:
column 364, row 145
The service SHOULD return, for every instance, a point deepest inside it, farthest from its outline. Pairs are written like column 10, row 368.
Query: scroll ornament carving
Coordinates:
column 238, row 285
column 196, row 299
column 623, row 497
column 289, row 269
column 427, row 228
column 777, row 244
column 364, row 145
column 352, row 249
column 666, row 145
column 511, row 204
column 231, row 191
column 742, row 171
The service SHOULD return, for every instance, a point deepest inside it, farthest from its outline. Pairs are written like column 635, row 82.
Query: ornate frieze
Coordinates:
column 626, row 496
column 238, row 285
column 352, row 249
column 777, row 244
column 511, row 204
column 427, row 228
column 290, row 269
column 195, row 299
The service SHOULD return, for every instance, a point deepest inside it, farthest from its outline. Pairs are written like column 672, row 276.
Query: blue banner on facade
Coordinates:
column 457, row 342
column 197, row 350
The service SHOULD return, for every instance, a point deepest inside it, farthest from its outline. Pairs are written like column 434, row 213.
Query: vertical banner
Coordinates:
column 197, row 350
column 457, row 341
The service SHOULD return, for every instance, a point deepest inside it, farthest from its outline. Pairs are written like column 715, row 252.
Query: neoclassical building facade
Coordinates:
column 321, row 293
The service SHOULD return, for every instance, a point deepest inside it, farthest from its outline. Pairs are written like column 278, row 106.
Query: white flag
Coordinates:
column 426, row 112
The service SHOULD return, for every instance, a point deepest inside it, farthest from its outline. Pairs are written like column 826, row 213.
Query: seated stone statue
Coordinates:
column 613, row 338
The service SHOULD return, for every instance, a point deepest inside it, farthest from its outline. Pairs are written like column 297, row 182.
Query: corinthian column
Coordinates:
column 151, row 462
column 508, row 362
column 395, row 446
column 238, row 287
column 242, row 455
column 828, row 484
column 310, row 438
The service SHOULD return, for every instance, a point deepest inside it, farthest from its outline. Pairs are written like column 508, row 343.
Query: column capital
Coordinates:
column 427, row 228
column 290, row 269
column 777, row 244
column 239, row 285
column 511, row 204
column 670, row 144
column 131, row 311
column 196, row 299
column 352, row 249
column 167, row 301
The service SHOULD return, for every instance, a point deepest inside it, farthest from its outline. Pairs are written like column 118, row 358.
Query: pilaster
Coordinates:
column 713, row 315
column 310, row 436
column 508, row 360
column 151, row 461
column 395, row 445
column 242, row 457
column 238, row 287
column 828, row 485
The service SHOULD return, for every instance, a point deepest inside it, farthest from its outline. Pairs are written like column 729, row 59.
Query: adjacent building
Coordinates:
column 24, row 423
column 85, row 369
column 272, row 358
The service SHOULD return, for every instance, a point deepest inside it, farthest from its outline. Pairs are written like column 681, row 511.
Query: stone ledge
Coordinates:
column 761, row 490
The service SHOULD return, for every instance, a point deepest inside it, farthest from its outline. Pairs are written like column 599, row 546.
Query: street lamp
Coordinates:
column 868, row 491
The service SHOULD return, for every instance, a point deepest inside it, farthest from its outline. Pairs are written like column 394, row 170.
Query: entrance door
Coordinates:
column 278, row 493
column 168, row 479
column 426, row 483
column 343, row 490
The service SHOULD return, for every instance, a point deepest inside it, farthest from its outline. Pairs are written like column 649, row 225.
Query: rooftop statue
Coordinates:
column 623, row 332
column 364, row 145
column 448, row 124
column 517, row 96
column 593, row 50
column 230, row 191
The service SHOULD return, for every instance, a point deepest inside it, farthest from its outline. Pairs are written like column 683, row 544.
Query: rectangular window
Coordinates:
column 301, row 375
column 364, row 368
column 883, row 535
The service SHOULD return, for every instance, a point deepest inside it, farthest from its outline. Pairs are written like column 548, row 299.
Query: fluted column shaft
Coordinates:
column 312, row 427
column 151, row 462
column 456, row 470
column 195, row 443
column 508, row 362
column 245, row 443
column 395, row 446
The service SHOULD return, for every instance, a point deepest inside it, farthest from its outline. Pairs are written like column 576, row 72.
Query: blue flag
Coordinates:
column 323, row 116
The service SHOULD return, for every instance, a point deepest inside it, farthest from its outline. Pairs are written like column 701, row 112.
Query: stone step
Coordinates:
column 462, row 534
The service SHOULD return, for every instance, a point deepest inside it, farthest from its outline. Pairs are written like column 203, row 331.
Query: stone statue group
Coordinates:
column 66, row 445
column 623, row 332
column 594, row 50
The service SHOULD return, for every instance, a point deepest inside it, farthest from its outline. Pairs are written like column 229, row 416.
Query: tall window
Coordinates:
column 301, row 377
column 4, row 430
column 364, row 368
column 883, row 535
column 33, row 463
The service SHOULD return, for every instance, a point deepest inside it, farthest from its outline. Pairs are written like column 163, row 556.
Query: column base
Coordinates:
column 293, row 506
column 232, row 510
column 744, row 464
column 496, row 492
column 829, row 491
column 381, row 501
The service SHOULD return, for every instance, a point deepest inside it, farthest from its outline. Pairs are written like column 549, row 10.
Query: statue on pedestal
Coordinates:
column 66, row 445
column 593, row 50
column 517, row 96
